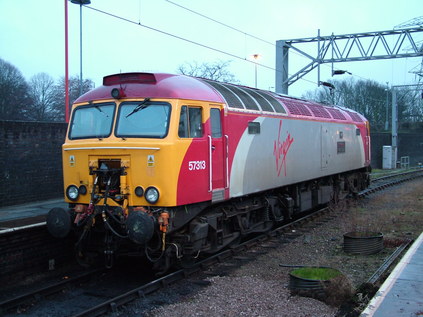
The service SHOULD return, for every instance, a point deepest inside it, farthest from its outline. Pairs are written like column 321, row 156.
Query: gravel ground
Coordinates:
column 258, row 287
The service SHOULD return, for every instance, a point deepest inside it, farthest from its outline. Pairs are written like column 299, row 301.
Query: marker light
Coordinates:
column 82, row 189
column 139, row 191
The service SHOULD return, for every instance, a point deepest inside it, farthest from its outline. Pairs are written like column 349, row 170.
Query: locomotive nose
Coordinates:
column 58, row 222
column 140, row 227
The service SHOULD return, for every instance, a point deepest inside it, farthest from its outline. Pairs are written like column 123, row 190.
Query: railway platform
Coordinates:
column 27, row 214
column 402, row 292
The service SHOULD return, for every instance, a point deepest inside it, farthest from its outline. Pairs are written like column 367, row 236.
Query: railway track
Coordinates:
column 380, row 183
column 284, row 233
column 24, row 300
column 32, row 299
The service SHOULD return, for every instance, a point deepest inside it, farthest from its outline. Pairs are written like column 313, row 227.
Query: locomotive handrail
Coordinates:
column 210, row 164
column 227, row 160
column 112, row 148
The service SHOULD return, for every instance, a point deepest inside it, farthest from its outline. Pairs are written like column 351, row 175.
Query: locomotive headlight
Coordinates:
column 152, row 195
column 72, row 192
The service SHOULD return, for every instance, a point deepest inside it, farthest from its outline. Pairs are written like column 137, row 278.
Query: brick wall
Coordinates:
column 31, row 161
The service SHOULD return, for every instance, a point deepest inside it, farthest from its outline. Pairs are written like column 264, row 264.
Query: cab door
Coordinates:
column 217, row 156
column 193, row 144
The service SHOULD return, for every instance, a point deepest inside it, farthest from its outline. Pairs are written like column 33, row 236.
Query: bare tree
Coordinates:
column 218, row 70
column 410, row 105
column 14, row 91
column 42, row 99
column 58, row 107
column 42, row 89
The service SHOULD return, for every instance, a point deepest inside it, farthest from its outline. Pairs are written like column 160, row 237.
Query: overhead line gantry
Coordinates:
column 398, row 43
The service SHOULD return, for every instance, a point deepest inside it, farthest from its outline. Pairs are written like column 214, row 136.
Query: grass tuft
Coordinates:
column 316, row 273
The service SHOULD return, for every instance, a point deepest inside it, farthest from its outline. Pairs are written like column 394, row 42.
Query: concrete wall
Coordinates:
column 30, row 161
column 409, row 144
column 378, row 141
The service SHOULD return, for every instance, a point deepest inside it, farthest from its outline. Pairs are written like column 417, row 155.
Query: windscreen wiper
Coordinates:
column 98, row 108
column 141, row 106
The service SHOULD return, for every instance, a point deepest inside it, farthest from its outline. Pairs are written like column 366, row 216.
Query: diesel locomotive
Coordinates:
column 171, row 167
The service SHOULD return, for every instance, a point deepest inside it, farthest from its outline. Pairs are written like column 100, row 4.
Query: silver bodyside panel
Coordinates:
column 288, row 151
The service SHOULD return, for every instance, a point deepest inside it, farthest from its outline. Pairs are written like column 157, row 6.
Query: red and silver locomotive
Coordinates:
column 171, row 166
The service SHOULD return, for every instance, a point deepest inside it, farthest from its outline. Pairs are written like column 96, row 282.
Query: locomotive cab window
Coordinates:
column 92, row 121
column 149, row 119
column 190, row 122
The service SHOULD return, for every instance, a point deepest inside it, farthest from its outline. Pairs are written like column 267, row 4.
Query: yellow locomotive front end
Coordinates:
column 116, row 170
column 121, row 143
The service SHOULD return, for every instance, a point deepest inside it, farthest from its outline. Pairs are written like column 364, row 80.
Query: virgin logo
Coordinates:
column 281, row 150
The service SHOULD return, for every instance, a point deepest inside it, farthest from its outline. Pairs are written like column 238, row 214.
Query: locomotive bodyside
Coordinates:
column 289, row 151
column 171, row 166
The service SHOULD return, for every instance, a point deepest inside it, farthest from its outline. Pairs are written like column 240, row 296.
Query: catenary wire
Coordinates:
column 221, row 23
column 187, row 40
column 244, row 33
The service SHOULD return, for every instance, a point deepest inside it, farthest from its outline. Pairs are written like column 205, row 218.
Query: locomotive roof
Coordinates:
column 158, row 85
column 161, row 85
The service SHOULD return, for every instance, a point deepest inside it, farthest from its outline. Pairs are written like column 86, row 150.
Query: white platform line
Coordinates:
column 390, row 281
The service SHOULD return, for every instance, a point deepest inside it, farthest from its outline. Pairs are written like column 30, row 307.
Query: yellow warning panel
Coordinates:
column 150, row 161
column 72, row 160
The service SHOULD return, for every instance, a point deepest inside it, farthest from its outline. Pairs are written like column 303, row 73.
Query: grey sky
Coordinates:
column 32, row 36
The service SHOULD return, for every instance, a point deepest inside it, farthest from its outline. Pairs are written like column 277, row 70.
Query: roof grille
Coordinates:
column 336, row 114
column 231, row 99
column 319, row 111
column 355, row 117
column 297, row 108
column 264, row 103
column 276, row 104
column 246, row 98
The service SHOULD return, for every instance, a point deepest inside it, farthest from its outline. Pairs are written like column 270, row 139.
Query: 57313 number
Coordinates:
column 196, row 165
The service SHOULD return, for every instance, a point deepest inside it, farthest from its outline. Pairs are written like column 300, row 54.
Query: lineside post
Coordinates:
column 281, row 67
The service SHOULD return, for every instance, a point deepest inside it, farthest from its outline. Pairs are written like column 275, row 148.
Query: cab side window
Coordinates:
column 190, row 122
column 183, row 123
column 216, row 125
